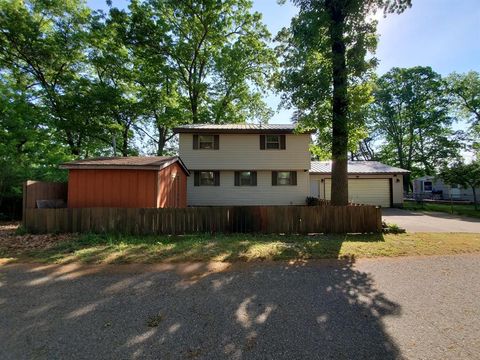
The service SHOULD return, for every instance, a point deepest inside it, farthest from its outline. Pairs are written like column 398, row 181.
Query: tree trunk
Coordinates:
column 340, row 105
column 194, row 106
column 161, row 140
column 74, row 149
column 125, row 142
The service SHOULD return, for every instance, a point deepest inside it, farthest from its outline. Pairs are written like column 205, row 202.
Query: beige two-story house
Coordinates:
column 245, row 164
column 248, row 164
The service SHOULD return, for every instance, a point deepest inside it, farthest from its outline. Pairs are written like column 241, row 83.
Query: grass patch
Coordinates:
column 98, row 249
column 457, row 209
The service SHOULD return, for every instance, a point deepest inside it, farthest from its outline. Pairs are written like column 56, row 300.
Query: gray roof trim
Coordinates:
column 357, row 167
column 240, row 129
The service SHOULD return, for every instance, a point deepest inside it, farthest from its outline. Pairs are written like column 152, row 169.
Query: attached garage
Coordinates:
column 127, row 182
column 365, row 191
column 370, row 182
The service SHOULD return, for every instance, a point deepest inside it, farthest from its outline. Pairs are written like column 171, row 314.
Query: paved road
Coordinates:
column 416, row 221
column 414, row 308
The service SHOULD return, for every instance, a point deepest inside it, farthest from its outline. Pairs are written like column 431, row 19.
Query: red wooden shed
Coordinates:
column 127, row 182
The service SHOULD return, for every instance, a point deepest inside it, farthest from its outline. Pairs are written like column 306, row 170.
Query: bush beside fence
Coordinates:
column 238, row 219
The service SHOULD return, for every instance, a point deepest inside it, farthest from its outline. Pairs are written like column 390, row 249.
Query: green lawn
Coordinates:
column 467, row 210
column 99, row 249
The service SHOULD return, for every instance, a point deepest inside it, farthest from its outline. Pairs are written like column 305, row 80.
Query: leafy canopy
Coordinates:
column 306, row 80
column 463, row 174
column 465, row 91
column 411, row 114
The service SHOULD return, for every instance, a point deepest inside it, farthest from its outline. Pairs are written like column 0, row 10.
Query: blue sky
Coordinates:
column 443, row 34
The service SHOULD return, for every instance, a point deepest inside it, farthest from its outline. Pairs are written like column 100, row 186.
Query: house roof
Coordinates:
column 426, row 177
column 129, row 162
column 356, row 167
column 239, row 129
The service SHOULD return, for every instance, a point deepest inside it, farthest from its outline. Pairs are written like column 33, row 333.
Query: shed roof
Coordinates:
column 127, row 162
column 357, row 167
column 239, row 129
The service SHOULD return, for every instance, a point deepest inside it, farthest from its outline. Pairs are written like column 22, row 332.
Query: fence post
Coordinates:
column 379, row 219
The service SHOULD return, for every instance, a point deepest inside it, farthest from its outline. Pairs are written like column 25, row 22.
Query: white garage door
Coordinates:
column 365, row 191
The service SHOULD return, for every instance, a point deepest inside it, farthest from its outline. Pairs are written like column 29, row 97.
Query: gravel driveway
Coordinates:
column 415, row 308
column 416, row 221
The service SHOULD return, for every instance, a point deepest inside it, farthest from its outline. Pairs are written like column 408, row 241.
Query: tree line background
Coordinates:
column 78, row 83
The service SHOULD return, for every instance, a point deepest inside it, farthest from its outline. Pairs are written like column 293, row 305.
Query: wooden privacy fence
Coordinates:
column 238, row 219
column 35, row 191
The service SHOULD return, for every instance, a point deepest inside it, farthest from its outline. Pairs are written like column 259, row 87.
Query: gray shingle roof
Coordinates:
column 356, row 167
column 129, row 162
column 237, row 128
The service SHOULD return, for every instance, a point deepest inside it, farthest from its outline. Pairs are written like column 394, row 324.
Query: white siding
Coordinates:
column 227, row 194
column 242, row 152
column 397, row 185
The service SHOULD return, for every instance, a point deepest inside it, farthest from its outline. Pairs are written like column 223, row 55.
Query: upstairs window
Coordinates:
column 281, row 178
column 272, row 142
column 207, row 178
column 206, row 142
column 245, row 178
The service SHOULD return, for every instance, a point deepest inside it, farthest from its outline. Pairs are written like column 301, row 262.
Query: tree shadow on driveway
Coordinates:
column 324, row 310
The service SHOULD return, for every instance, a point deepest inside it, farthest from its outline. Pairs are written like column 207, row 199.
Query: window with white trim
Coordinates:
column 281, row 178
column 427, row 186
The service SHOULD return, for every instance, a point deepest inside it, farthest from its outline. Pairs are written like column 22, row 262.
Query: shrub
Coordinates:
column 312, row 201
column 21, row 231
column 392, row 229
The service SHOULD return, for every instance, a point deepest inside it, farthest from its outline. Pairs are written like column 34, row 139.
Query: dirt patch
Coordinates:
column 13, row 243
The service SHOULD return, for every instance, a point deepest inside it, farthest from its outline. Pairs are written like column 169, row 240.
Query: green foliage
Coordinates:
column 463, row 174
column 392, row 229
column 411, row 113
column 465, row 92
column 76, row 83
column 27, row 147
column 306, row 77
column 311, row 201
column 465, row 89
column 325, row 68
column 43, row 43
column 215, row 55
column 458, row 209
column 20, row 231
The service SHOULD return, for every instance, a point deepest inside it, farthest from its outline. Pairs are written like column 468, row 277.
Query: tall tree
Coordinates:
column 465, row 175
column 113, row 74
column 411, row 112
column 465, row 90
column 213, row 50
column 325, row 53
column 27, row 147
column 44, row 41
column 158, row 83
